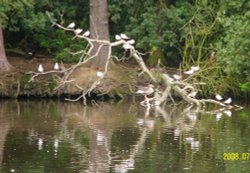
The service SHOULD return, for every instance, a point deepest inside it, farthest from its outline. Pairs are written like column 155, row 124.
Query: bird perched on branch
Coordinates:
column 177, row 77
column 117, row 37
column 127, row 46
column 131, row 41
column 40, row 68
column 86, row 34
column 228, row 101
column 123, row 36
column 78, row 31
column 189, row 72
column 195, row 68
column 218, row 97
column 192, row 94
column 192, row 70
column 56, row 66
column 72, row 25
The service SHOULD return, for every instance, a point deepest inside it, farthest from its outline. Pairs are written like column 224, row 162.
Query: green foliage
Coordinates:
column 196, row 34
column 156, row 57
column 61, row 44
column 181, row 31
column 28, row 19
column 25, row 78
column 215, row 81
column 155, row 25
column 245, row 87
column 233, row 45
column 190, row 31
column 12, row 10
column 52, row 85
column 233, row 48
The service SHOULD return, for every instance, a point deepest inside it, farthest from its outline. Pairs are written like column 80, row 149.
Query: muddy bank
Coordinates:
column 120, row 80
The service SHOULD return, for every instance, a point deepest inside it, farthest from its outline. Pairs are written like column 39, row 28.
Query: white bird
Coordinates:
column 117, row 37
column 189, row 72
column 56, row 66
column 72, row 25
column 40, row 68
column 123, row 36
column 177, row 77
column 131, row 41
column 195, row 68
column 127, row 46
column 218, row 97
column 78, row 31
column 86, row 34
column 192, row 94
column 228, row 101
column 228, row 113
column 100, row 74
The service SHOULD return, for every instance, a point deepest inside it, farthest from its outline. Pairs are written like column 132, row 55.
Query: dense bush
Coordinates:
column 28, row 20
column 154, row 24
column 233, row 44
column 180, row 31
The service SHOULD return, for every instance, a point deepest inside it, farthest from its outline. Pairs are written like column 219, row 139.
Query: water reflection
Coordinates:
column 54, row 136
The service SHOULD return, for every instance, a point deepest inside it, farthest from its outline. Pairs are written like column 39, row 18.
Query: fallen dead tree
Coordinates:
column 176, row 84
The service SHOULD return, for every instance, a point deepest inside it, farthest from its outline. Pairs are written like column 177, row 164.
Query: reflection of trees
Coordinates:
column 44, row 129
column 63, row 121
column 128, row 163
column 91, row 138
column 31, row 124
column 4, row 127
column 100, row 121
column 185, row 125
column 232, row 136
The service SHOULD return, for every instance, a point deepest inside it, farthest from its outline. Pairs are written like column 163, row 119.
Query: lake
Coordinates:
column 51, row 136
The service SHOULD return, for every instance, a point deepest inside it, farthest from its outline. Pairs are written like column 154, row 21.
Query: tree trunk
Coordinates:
column 4, row 64
column 99, row 29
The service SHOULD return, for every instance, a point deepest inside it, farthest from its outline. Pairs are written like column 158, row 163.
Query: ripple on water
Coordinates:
column 109, row 139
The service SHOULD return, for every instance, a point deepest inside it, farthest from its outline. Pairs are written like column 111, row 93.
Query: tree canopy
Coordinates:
column 194, row 32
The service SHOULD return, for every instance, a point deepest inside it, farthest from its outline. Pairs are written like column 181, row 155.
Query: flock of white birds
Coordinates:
column 78, row 30
column 128, row 45
column 41, row 69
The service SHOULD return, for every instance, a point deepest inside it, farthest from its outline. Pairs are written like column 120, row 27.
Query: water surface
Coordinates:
column 64, row 137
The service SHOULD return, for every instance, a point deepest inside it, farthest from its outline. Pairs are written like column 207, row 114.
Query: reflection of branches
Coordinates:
column 165, row 114
column 127, row 164
column 184, row 118
column 100, row 156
